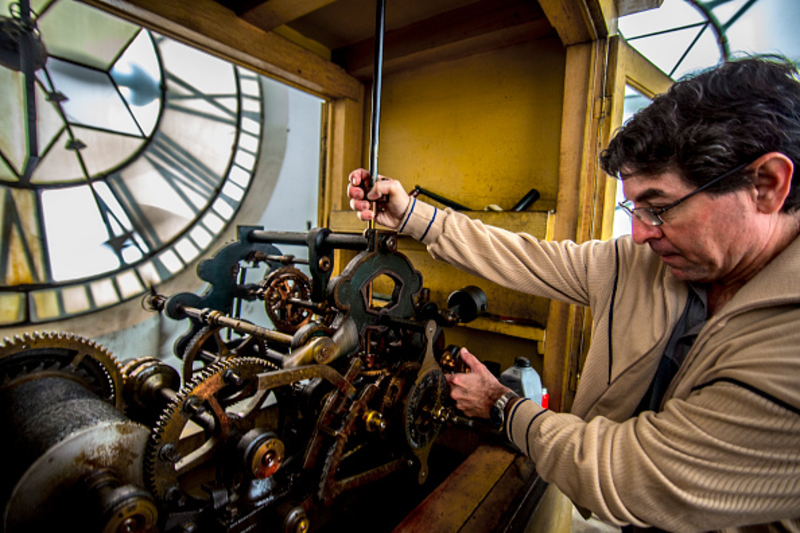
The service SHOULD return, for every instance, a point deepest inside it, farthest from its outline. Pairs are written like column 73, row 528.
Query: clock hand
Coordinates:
column 29, row 49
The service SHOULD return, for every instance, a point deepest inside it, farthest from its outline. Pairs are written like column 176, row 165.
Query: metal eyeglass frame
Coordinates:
column 652, row 216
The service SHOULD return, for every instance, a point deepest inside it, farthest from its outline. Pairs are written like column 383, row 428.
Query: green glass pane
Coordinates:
column 83, row 34
column 12, row 119
column 59, row 164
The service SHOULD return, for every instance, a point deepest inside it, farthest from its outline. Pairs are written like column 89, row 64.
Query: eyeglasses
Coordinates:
column 652, row 216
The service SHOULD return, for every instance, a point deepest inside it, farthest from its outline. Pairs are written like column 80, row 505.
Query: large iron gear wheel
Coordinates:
column 208, row 347
column 180, row 455
column 64, row 353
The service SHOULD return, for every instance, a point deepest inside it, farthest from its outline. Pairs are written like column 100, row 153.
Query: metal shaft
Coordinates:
column 377, row 83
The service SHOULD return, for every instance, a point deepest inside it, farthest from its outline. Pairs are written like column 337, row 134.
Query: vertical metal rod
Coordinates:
column 377, row 83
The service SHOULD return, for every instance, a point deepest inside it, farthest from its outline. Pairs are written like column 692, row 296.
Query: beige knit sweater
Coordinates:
column 723, row 451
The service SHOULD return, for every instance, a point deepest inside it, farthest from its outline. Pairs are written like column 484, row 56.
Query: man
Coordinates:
column 687, row 416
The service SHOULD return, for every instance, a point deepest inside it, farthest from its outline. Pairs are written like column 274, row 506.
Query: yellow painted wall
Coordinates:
column 481, row 130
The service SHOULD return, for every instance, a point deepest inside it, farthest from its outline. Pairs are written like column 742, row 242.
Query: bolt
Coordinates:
column 173, row 494
column 169, row 453
column 232, row 378
column 389, row 244
column 193, row 406
column 324, row 264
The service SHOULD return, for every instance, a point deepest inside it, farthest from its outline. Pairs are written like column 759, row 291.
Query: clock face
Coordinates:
column 123, row 154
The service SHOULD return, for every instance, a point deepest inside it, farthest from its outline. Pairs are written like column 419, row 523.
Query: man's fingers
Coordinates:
column 470, row 360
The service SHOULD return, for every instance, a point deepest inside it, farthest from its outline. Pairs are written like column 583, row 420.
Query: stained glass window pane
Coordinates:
column 12, row 308
column 129, row 284
column 84, row 34
column 36, row 5
column 149, row 274
column 77, row 234
column 13, row 132
column 104, row 150
column 44, row 305
column 161, row 199
column 93, row 99
column 103, row 293
column 76, row 299
column 49, row 122
column 205, row 74
column 138, row 76
column 59, row 164
column 25, row 258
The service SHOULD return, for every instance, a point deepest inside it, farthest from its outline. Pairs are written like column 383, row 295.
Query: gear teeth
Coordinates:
column 160, row 432
column 84, row 346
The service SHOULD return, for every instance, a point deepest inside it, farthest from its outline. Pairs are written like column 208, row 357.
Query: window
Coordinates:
column 123, row 154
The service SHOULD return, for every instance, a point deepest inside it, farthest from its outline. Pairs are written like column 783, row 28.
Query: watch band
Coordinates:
column 498, row 410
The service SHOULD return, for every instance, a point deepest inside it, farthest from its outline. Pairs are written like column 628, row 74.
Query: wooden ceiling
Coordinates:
column 345, row 28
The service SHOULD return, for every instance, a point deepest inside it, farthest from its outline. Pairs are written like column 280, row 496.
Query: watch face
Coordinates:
column 123, row 155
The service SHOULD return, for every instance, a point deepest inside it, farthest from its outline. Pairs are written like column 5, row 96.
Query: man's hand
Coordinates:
column 391, row 199
column 476, row 391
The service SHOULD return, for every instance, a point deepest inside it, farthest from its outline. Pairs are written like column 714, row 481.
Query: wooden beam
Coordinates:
column 643, row 75
column 478, row 27
column 580, row 21
column 628, row 7
column 274, row 13
column 216, row 29
column 583, row 108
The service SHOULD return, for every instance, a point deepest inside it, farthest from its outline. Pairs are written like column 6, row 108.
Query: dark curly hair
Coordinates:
column 712, row 122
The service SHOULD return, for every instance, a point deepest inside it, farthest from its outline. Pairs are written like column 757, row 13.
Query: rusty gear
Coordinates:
column 220, row 400
column 63, row 353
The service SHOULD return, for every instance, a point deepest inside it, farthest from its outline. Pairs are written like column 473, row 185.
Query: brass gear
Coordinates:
column 398, row 385
column 280, row 286
column 179, row 457
column 64, row 353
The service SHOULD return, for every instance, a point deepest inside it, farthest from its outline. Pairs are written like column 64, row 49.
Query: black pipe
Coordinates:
column 526, row 201
column 339, row 241
column 439, row 198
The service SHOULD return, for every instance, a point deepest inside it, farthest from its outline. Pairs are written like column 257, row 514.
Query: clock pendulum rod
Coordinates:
column 377, row 82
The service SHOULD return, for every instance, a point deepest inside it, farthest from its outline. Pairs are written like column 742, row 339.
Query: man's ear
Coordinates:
column 773, row 181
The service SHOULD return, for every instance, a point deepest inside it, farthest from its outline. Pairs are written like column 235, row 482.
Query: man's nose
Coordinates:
column 642, row 232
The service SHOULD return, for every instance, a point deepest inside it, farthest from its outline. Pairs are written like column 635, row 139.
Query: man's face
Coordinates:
column 704, row 239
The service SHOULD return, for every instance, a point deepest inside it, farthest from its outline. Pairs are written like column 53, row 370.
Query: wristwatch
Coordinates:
column 497, row 414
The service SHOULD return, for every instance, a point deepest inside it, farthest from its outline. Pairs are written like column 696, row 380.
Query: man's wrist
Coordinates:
column 499, row 409
column 510, row 404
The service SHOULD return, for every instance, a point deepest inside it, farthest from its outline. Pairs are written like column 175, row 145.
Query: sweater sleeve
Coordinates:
column 724, row 456
column 514, row 260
